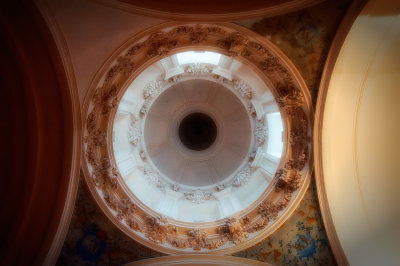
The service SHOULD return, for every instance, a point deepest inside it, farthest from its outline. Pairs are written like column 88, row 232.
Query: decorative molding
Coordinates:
column 167, row 235
column 345, row 26
column 252, row 111
column 158, row 229
column 219, row 187
column 153, row 178
column 198, row 69
column 144, row 109
column 175, row 187
column 68, row 70
column 142, row 155
column 198, row 259
column 199, row 196
column 260, row 132
column 134, row 135
column 233, row 230
column 243, row 89
column 242, row 177
column 274, row 10
column 134, row 132
column 154, row 88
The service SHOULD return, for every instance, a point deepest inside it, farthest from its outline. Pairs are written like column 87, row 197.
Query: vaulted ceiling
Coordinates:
column 52, row 51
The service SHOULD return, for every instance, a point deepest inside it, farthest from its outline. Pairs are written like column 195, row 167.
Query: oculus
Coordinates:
column 197, row 131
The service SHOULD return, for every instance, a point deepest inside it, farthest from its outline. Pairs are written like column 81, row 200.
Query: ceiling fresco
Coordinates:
column 305, row 36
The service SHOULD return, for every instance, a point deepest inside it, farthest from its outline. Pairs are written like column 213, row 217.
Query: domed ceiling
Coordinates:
column 197, row 135
column 197, row 139
column 118, row 134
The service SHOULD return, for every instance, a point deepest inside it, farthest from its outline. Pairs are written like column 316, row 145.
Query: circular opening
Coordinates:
column 197, row 131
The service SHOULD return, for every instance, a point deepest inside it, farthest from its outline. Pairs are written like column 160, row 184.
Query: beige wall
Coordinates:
column 360, row 139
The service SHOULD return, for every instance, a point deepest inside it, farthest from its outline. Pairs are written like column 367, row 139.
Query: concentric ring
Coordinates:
column 263, row 77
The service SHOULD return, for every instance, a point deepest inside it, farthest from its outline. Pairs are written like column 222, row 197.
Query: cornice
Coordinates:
column 333, row 54
column 198, row 259
column 275, row 10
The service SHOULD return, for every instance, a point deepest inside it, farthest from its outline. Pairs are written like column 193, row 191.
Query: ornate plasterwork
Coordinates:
column 134, row 134
column 198, row 69
column 199, row 196
column 144, row 109
column 153, row 178
column 175, row 187
column 243, row 89
column 152, row 89
column 242, row 176
column 233, row 230
column 260, row 132
column 201, row 71
column 165, row 234
column 219, row 187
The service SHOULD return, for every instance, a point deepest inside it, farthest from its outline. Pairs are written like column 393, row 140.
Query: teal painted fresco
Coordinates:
column 93, row 240
column 300, row 241
column 304, row 36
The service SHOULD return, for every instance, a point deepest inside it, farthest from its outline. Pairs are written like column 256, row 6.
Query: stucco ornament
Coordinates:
column 243, row 89
column 134, row 135
column 197, row 69
column 233, row 230
column 242, row 177
column 199, row 196
column 164, row 234
column 260, row 132
column 152, row 89
column 202, row 71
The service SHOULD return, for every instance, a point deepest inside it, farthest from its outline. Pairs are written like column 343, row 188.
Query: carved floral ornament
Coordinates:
column 165, row 234
column 150, row 93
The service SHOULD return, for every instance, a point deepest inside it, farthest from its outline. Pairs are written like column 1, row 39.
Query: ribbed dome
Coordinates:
column 188, row 116
column 197, row 137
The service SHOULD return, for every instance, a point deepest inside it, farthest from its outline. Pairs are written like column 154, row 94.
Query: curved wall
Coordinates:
column 208, row 10
column 40, row 140
column 360, row 138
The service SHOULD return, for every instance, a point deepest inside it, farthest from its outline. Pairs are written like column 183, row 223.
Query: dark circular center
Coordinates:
column 197, row 131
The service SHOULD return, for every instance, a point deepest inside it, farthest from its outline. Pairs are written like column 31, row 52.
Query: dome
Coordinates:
column 197, row 139
column 205, row 135
column 190, row 146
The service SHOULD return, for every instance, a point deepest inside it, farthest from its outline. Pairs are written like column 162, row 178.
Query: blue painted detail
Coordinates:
column 90, row 246
column 305, row 245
